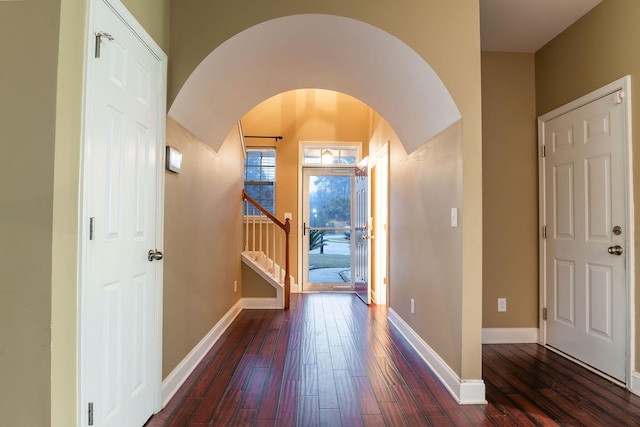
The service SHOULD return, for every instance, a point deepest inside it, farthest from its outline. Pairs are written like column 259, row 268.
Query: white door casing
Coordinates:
column 362, row 231
column 585, row 188
column 122, row 190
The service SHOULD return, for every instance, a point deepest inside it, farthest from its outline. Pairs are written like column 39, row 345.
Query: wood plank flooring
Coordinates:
column 331, row 361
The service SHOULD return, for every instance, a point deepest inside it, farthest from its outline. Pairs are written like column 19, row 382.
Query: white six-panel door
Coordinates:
column 121, row 376
column 586, row 234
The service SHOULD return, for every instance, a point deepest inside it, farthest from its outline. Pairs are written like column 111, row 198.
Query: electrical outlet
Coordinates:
column 235, row 286
column 413, row 306
column 502, row 304
column 288, row 216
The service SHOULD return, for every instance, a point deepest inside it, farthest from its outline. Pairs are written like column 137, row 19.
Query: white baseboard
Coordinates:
column 464, row 391
column 635, row 383
column 180, row 374
column 260, row 303
column 509, row 335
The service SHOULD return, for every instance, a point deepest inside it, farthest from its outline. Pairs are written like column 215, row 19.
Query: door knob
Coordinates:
column 155, row 255
column 615, row 250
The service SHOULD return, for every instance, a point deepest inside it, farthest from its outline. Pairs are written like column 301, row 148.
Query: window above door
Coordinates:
column 329, row 154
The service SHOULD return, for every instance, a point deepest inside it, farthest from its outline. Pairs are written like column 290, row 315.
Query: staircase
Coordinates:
column 271, row 272
column 266, row 248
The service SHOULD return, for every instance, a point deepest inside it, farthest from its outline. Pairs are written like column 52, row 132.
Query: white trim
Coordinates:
column 623, row 84
column 634, row 385
column 261, row 303
column 509, row 335
column 466, row 392
column 179, row 375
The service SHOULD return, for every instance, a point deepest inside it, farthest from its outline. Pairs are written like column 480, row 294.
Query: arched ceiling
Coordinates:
column 315, row 51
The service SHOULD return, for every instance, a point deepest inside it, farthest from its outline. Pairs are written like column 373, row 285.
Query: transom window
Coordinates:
column 260, row 179
column 330, row 155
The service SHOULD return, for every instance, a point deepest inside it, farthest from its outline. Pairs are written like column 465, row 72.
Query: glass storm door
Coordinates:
column 327, row 229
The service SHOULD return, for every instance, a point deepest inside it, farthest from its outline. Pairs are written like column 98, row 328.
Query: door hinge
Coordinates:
column 544, row 313
column 619, row 97
column 90, row 421
column 544, row 231
column 544, row 151
column 92, row 228
column 99, row 37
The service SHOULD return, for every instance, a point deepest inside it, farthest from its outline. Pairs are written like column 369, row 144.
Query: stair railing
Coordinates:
column 266, row 238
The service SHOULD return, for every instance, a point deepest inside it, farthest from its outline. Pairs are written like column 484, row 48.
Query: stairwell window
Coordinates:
column 260, row 179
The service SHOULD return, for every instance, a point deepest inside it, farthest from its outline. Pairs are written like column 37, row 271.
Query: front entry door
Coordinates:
column 585, row 216
column 120, row 375
column 362, row 233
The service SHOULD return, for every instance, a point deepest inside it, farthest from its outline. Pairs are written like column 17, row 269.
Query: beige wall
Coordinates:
column 153, row 15
column 598, row 49
column 203, row 238
column 303, row 115
column 29, row 52
column 510, row 190
column 425, row 251
column 254, row 286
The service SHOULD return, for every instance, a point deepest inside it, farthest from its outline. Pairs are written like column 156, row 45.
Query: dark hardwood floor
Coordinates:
column 332, row 361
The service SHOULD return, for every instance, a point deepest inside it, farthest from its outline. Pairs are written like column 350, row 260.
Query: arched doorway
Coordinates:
column 315, row 51
column 355, row 58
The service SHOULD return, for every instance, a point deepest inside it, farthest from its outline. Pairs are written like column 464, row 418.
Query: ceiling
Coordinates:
column 527, row 25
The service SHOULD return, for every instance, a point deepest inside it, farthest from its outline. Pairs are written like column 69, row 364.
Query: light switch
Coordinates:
column 288, row 216
column 454, row 217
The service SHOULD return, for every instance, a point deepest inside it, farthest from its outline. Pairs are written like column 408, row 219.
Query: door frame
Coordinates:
column 623, row 84
column 84, row 187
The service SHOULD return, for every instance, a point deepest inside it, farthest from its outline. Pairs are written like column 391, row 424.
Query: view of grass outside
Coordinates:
column 336, row 253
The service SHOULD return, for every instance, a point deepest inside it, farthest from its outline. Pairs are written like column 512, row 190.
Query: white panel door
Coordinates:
column 120, row 379
column 585, row 205
column 362, row 232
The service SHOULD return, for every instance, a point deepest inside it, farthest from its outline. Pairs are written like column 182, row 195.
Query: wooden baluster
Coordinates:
column 246, row 225
column 273, row 250
column 266, row 246
column 280, row 257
